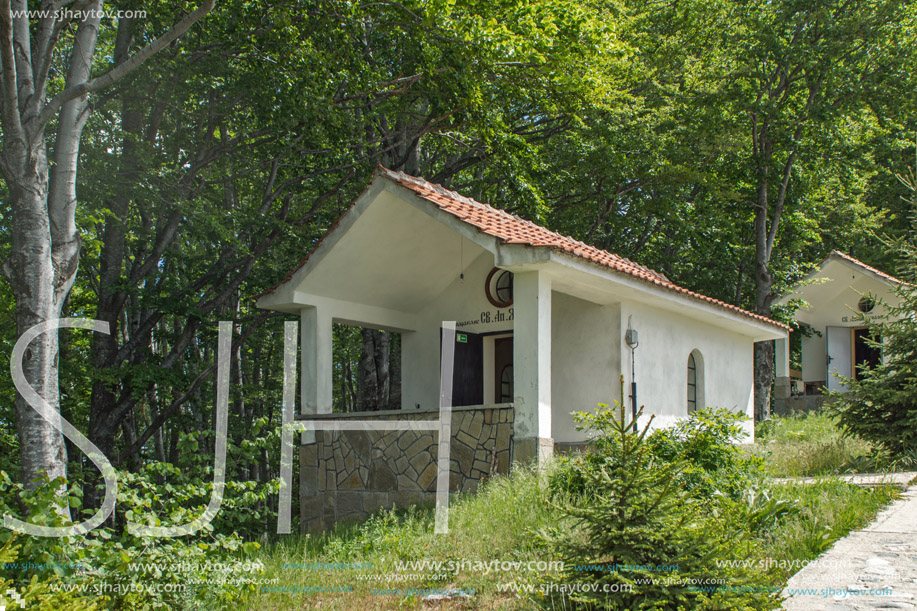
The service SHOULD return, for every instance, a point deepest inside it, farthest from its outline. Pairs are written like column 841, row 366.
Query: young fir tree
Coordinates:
column 882, row 405
column 639, row 540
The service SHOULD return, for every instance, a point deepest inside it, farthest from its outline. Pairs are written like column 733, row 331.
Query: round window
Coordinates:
column 866, row 305
column 499, row 288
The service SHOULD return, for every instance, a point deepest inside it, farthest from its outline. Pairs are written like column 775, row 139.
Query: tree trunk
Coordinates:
column 394, row 371
column 110, row 306
column 46, row 245
column 31, row 272
column 158, row 445
column 764, row 281
column 129, row 430
column 373, row 379
column 764, row 377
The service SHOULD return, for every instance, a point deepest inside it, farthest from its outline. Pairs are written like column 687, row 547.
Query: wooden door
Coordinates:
column 468, row 376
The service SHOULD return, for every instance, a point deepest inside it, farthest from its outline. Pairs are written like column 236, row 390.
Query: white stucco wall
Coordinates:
column 463, row 301
column 588, row 354
column 665, row 341
column 586, row 358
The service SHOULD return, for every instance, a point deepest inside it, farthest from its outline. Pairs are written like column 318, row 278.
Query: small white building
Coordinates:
column 834, row 296
column 542, row 318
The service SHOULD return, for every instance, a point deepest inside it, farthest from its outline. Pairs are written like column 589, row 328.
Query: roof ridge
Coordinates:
column 421, row 182
column 856, row 261
column 562, row 243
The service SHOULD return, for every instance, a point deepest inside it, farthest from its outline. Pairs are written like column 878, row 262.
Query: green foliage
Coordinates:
column 704, row 443
column 811, row 426
column 759, row 512
column 726, row 96
column 782, row 527
column 113, row 568
column 707, row 442
column 37, row 593
column 185, row 488
column 881, row 406
column 495, row 524
column 815, row 516
column 636, row 517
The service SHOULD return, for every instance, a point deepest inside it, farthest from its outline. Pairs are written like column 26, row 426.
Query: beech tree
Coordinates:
column 44, row 259
column 773, row 94
column 808, row 66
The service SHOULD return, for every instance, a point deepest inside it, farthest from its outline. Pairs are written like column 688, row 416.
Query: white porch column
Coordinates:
column 316, row 389
column 781, row 369
column 782, row 356
column 532, row 438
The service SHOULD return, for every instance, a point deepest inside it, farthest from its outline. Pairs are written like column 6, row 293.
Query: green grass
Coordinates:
column 499, row 524
column 496, row 524
column 811, row 445
column 827, row 511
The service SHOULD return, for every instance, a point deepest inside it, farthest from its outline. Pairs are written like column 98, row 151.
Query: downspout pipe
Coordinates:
column 630, row 338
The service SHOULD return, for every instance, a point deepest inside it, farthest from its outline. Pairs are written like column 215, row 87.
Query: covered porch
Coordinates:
column 523, row 324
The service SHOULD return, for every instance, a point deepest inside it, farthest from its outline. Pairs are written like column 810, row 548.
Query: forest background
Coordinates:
column 197, row 151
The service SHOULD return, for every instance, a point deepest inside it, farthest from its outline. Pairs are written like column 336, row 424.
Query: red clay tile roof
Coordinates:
column 511, row 229
column 863, row 265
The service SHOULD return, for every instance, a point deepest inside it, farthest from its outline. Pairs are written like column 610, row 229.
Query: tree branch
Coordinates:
column 125, row 68
column 46, row 37
column 781, row 193
column 167, row 413
column 22, row 47
column 9, row 99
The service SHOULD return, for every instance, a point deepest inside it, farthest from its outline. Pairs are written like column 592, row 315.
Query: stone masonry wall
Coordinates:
column 350, row 474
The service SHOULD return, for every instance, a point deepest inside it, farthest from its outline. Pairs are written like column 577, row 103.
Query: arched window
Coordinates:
column 692, row 383
column 695, row 381
column 506, row 385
